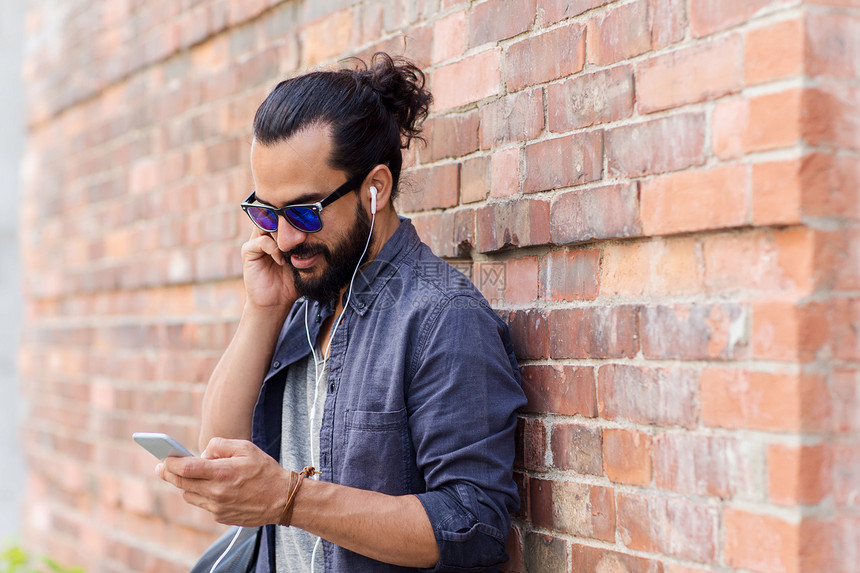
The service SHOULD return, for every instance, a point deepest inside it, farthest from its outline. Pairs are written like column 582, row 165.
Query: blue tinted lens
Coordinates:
column 304, row 219
column 266, row 219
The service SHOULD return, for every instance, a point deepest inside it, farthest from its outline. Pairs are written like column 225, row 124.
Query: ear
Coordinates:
column 380, row 178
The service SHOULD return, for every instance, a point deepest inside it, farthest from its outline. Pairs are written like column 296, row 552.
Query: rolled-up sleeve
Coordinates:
column 462, row 402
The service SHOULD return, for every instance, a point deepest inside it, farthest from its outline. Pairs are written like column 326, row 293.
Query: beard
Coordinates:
column 341, row 261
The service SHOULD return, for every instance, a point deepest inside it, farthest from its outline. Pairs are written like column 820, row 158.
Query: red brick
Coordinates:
column 775, row 331
column 522, row 481
column 489, row 278
column 656, row 267
column 467, row 81
column 448, row 234
column 544, row 553
column 832, row 44
column 767, row 122
column 521, row 280
column 572, row 275
column 575, row 160
column 695, row 331
column 449, row 36
column 846, row 474
column 696, row 200
column 799, row 475
column 830, row 185
column 762, row 401
column 593, row 99
column 712, row 466
column 682, row 569
column 619, row 34
column 774, row 51
column 326, row 38
column 514, row 549
column 668, row 22
column 846, row 400
column 499, row 19
column 606, row 212
column 517, row 117
column 690, row 75
column 656, row 146
column 843, row 259
column 540, row 502
column 593, row 332
column 815, row 330
column 474, row 179
column 552, row 11
column 536, row 60
column 573, row 508
column 765, row 260
column 641, row 395
column 567, row 390
column 830, row 115
column 434, row 187
column 578, row 448
column 513, row 224
column 843, row 3
column 599, row 560
column 847, row 536
column 669, row 525
column 529, row 334
column 818, row 552
column 709, row 16
column 450, row 135
column 627, row 456
column 761, row 542
column 530, row 445
column 505, row 172
column 777, row 192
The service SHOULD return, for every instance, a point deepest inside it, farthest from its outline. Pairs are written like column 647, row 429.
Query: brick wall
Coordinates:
column 660, row 196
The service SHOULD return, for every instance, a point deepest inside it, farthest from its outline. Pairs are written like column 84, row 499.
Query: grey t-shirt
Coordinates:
column 293, row 546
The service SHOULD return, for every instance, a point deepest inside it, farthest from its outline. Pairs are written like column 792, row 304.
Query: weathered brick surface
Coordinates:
column 659, row 197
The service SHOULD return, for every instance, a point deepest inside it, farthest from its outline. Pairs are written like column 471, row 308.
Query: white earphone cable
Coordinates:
column 317, row 374
column 226, row 551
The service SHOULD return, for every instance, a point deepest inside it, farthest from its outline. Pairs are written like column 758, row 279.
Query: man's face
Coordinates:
column 339, row 261
column 293, row 172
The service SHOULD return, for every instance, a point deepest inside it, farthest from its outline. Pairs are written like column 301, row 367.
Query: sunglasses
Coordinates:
column 305, row 217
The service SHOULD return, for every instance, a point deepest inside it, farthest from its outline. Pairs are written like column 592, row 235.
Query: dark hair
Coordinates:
column 373, row 112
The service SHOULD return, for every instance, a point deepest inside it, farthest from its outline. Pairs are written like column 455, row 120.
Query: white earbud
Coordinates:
column 372, row 200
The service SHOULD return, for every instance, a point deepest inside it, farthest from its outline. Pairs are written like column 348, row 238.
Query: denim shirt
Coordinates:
column 423, row 390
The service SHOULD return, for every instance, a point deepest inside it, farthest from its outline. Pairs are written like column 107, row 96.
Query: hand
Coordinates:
column 268, row 277
column 234, row 480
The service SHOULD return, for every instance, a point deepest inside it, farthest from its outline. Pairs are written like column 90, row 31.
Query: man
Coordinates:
column 358, row 352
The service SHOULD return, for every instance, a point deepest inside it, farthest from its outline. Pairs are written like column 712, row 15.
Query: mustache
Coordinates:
column 304, row 251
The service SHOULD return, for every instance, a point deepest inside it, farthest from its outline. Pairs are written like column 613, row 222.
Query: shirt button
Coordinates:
column 276, row 364
column 331, row 387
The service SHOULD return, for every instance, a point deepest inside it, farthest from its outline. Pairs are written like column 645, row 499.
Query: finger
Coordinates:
column 271, row 248
column 227, row 448
column 263, row 245
column 188, row 467
column 198, row 500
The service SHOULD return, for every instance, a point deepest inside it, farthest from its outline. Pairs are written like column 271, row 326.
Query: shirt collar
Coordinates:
column 384, row 268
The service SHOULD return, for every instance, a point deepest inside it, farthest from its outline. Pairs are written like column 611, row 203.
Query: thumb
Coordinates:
column 221, row 448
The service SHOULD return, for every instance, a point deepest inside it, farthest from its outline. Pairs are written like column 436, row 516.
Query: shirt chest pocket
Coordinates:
column 376, row 451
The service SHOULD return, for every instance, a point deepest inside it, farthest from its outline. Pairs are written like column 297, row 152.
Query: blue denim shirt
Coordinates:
column 423, row 388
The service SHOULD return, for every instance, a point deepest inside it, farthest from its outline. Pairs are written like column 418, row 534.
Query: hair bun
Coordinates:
column 399, row 84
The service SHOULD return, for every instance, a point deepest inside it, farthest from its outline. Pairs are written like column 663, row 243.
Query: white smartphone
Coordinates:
column 161, row 445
